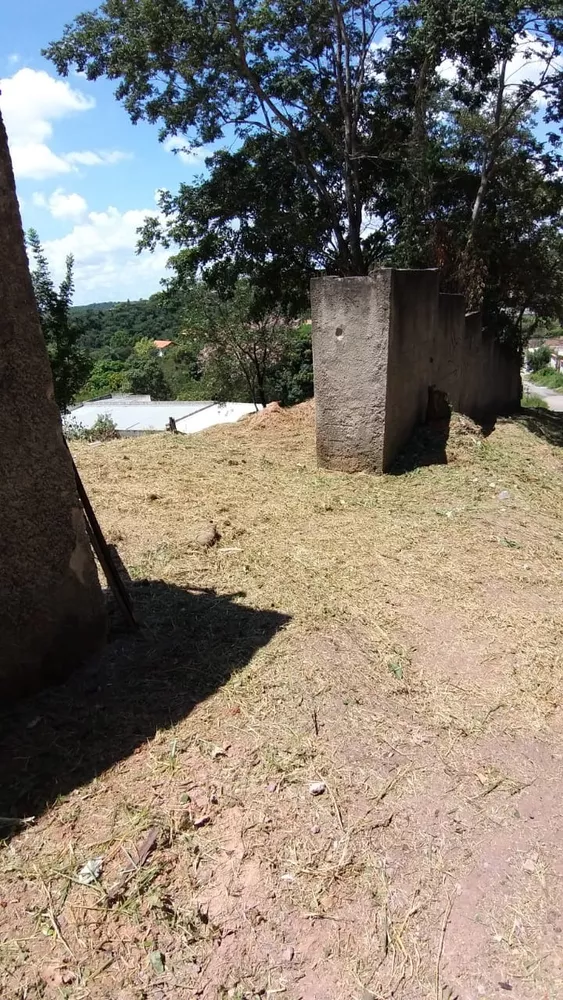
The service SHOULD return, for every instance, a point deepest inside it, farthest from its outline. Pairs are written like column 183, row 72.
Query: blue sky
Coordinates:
column 86, row 176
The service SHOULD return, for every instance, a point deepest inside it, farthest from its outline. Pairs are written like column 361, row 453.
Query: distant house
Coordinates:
column 133, row 415
column 555, row 346
column 162, row 346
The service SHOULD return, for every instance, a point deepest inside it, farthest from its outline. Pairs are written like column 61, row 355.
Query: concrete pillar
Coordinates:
column 372, row 344
column 51, row 606
column 350, row 329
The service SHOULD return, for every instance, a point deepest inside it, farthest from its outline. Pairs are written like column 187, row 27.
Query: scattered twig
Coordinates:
column 335, row 804
column 16, row 820
column 54, row 922
column 315, row 721
column 143, row 852
column 383, row 792
column 441, row 944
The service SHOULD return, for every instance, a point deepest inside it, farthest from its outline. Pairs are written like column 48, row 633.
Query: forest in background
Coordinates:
column 240, row 361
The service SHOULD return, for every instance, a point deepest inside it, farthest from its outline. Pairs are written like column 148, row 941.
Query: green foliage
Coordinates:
column 111, row 329
column 103, row 429
column 548, row 377
column 105, row 378
column 538, row 359
column 241, row 346
column 348, row 152
column 70, row 365
column 143, row 375
column 529, row 399
column 292, row 380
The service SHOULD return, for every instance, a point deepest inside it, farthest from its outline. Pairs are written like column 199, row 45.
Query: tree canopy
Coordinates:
column 359, row 133
column 70, row 365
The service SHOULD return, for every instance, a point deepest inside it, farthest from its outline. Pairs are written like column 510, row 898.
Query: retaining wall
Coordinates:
column 379, row 343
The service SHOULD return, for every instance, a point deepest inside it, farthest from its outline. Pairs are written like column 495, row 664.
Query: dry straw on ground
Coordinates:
column 396, row 638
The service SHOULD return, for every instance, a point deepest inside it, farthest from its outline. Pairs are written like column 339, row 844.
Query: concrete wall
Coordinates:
column 379, row 344
column 51, row 607
column 414, row 317
column 449, row 347
column 351, row 321
column 490, row 375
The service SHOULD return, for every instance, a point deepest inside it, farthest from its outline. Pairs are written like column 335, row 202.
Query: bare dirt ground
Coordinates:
column 394, row 641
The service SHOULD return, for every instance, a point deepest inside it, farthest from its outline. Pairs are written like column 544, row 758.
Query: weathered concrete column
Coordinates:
column 350, row 328
column 51, row 606
column 372, row 351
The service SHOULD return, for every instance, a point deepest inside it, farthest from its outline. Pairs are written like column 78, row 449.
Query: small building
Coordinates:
column 162, row 346
column 555, row 347
column 133, row 415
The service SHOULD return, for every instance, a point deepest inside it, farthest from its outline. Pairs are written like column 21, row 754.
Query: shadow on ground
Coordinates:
column 544, row 423
column 427, row 446
column 61, row 738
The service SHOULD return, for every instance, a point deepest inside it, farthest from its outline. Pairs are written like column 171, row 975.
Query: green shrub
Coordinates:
column 103, row 429
column 530, row 399
column 548, row 377
column 538, row 359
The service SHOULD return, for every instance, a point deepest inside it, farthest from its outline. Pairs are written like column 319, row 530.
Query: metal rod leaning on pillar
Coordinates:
column 102, row 551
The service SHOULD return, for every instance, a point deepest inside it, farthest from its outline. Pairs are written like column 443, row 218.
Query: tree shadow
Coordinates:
column 546, row 424
column 191, row 643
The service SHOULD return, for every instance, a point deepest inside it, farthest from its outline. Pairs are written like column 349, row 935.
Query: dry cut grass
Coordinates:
column 395, row 639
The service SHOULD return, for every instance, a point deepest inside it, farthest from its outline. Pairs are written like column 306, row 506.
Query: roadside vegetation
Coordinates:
column 548, row 377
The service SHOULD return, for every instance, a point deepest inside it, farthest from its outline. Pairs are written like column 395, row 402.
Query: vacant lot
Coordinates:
column 394, row 642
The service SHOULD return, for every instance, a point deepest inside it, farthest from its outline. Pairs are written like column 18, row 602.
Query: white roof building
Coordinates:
column 141, row 415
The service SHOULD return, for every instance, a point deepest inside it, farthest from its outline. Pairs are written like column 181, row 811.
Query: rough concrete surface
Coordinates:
column 350, row 347
column 51, row 605
column 380, row 343
column 414, row 320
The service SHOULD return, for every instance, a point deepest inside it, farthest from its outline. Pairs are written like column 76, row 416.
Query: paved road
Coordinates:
column 553, row 398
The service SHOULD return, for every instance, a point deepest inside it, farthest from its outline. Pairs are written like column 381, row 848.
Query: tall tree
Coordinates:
column 302, row 73
column 143, row 374
column 237, row 346
column 69, row 364
column 365, row 131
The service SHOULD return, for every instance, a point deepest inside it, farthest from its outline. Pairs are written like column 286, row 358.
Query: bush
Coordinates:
column 538, row 359
column 103, row 429
column 548, row 377
column 530, row 399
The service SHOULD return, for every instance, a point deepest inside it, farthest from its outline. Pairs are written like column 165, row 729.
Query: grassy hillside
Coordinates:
column 393, row 644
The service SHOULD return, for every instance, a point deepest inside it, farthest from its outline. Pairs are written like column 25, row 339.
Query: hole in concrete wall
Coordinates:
column 438, row 411
column 339, row 333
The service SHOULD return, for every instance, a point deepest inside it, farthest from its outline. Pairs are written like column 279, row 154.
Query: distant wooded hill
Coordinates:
column 120, row 324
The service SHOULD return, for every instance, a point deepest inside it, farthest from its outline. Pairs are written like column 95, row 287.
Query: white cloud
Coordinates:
column 97, row 158
column 14, row 58
column 31, row 100
column 36, row 161
column 106, row 265
column 192, row 155
column 61, row 205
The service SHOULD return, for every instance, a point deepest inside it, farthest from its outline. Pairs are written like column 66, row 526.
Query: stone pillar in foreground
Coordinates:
column 52, row 614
